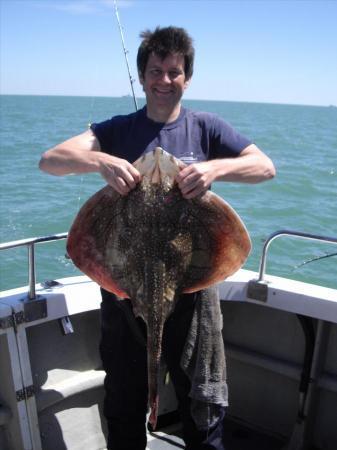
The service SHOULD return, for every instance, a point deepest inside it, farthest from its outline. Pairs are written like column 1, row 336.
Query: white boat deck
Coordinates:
column 161, row 440
column 237, row 437
column 66, row 379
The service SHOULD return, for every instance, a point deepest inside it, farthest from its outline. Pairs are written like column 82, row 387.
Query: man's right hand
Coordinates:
column 118, row 173
column 82, row 154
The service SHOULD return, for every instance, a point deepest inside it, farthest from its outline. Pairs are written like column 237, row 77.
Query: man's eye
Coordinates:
column 174, row 74
column 156, row 72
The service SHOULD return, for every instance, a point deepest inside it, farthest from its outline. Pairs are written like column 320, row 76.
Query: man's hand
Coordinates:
column 250, row 166
column 118, row 173
column 82, row 154
column 194, row 180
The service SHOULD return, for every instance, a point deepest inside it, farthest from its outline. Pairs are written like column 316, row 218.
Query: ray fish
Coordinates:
column 152, row 245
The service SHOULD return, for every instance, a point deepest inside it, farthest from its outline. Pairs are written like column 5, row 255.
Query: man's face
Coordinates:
column 164, row 81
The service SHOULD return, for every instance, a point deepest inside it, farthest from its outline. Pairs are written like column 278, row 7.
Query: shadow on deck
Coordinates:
column 237, row 437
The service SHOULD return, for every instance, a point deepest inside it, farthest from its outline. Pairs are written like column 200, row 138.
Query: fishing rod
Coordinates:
column 315, row 258
column 93, row 99
column 125, row 54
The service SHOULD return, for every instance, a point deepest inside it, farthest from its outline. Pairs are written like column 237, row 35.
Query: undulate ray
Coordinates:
column 152, row 245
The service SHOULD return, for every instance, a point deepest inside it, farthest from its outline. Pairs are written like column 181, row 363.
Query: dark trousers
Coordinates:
column 124, row 359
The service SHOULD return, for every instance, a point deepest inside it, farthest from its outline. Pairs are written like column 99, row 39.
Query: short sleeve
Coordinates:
column 225, row 140
column 104, row 132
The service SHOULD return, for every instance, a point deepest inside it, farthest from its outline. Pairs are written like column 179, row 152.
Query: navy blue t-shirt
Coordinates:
column 193, row 136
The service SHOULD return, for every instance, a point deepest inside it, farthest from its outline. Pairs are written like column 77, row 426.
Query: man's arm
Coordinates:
column 251, row 166
column 82, row 154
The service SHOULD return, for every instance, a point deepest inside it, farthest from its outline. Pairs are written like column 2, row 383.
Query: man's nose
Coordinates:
column 165, row 77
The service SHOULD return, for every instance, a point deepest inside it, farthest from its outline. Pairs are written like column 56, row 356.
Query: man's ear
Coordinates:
column 187, row 83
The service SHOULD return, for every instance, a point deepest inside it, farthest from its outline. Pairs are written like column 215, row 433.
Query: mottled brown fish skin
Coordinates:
column 156, row 266
column 153, row 244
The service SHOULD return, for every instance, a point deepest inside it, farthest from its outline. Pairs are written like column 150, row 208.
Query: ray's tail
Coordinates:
column 154, row 353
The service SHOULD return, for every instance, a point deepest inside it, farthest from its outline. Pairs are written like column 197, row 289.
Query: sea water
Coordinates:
column 301, row 140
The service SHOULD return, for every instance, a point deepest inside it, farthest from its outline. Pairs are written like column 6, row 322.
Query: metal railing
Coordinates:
column 298, row 234
column 30, row 244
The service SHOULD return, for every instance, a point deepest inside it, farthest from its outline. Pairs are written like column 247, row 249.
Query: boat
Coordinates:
column 280, row 338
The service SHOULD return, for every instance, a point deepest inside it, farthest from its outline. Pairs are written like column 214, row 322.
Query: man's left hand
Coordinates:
column 194, row 180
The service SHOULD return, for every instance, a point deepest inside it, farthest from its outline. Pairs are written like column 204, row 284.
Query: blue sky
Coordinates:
column 260, row 51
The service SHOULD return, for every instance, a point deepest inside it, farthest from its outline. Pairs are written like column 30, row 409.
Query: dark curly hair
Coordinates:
column 165, row 41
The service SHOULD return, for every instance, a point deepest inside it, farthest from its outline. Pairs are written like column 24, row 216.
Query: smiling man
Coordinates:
column 214, row 151
column 164, row 82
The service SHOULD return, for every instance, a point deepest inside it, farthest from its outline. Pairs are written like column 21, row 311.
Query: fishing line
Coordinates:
column 90, row 116
column 82, row 175
column 93, row 98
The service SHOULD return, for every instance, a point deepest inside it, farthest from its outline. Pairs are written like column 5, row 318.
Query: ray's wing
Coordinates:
column 155, row 244
column 221, row 243
column 89, row 233
column 208, row 228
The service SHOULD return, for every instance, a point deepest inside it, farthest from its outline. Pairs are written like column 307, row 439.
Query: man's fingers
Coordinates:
column 194, row 180
column 185, row 181
column 127, row 178
column 184, row 173
column 129, row 174
column 121, row 186
column 135, row 174
column 188, row 183
column 193, row 183
column 196, row 192
column 122, row 178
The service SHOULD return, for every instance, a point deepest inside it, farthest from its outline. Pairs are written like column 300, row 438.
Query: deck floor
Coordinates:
column 237, row 437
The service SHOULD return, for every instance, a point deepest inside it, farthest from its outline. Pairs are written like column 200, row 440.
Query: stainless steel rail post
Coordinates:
column 31, row 272
column 279, row 233
column 30, row 244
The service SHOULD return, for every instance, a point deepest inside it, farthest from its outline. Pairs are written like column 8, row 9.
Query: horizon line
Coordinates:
column 183, row 99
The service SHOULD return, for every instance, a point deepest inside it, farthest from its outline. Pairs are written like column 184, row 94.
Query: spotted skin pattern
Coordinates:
column 152, row 245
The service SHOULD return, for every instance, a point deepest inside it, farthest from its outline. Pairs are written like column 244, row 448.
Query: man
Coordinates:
column 216, row 152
